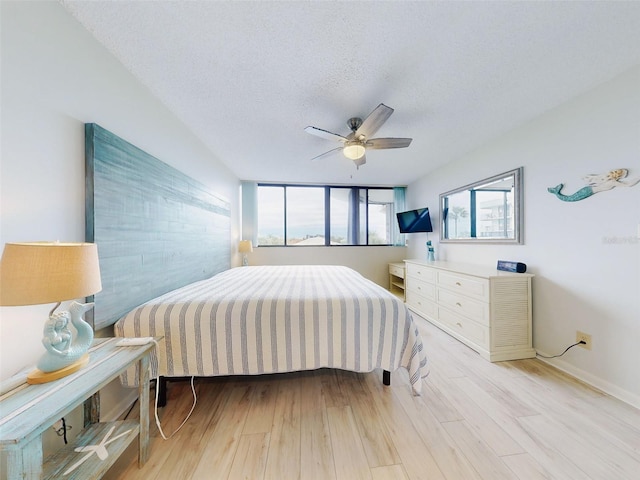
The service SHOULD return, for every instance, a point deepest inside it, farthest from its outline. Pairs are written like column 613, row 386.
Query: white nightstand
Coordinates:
column 396, row 279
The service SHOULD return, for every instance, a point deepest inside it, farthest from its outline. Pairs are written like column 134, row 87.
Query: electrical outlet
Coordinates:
column 583, row 337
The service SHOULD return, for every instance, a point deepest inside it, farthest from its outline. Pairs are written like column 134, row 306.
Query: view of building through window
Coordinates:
column 304, row 214
column 381, row 216
column 494, row 217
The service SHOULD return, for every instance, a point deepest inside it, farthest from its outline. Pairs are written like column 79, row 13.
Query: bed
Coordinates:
column 164, row 242
column 271, row 319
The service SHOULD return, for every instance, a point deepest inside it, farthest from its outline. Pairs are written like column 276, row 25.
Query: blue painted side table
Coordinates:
column 28, row 410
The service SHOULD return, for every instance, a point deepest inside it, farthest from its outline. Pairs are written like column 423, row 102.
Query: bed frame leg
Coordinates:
column 386, row 377
column 162, row 391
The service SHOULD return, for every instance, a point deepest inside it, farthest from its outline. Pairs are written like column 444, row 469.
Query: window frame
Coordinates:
column 327, row 213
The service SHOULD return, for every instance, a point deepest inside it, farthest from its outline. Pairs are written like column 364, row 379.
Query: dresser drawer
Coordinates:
column 421, row 304
column 466, row 285
column 472, row 331
column 421, row 272
column 396, row 270
column 463, row 305
column 424, row 289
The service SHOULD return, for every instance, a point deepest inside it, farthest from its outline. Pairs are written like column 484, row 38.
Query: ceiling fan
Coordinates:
column 355, row 144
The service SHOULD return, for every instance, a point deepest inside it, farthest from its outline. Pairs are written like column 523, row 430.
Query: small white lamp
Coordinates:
column 48, row 272
column 245, row 247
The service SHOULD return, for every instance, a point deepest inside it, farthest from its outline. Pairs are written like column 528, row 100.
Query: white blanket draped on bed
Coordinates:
column 267, row 319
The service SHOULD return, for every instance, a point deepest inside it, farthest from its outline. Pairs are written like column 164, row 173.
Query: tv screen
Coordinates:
column 414, row 221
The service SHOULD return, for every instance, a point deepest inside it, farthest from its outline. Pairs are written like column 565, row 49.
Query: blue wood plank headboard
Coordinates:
column 156, row 228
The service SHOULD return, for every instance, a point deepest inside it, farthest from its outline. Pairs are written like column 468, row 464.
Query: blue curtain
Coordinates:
column 399, row 193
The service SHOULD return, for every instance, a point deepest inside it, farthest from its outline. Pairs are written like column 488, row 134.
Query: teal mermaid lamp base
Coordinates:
column 64, row 353
column 595, row 184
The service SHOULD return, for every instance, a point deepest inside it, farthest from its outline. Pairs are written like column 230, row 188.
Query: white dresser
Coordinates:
column 488, row 310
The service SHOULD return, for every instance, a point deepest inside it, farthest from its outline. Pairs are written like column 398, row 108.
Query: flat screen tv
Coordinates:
column 414, row 221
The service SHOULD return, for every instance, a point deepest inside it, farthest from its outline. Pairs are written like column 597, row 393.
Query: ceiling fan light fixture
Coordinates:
column 353, row 150
column 354, row 144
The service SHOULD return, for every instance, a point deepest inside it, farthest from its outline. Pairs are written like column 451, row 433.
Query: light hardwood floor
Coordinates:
column 475, row 420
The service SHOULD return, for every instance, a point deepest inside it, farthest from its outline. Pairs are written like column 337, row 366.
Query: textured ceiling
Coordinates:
column 248, row 77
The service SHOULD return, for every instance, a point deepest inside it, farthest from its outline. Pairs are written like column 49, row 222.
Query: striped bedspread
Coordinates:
column 268, row 319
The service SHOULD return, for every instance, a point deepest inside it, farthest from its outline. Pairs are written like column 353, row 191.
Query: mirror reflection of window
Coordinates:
column 488, row 210
column 458, row 222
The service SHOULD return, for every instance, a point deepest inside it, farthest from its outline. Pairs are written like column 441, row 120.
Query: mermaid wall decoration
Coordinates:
column 595, row 184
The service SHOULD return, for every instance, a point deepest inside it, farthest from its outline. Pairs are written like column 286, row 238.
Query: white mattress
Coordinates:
column 268, row 319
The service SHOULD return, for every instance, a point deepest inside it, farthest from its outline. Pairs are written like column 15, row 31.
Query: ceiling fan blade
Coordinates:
column 374, row 121
column 360, row 161
column 327, row 154
column 325, row 134
column 380, row 143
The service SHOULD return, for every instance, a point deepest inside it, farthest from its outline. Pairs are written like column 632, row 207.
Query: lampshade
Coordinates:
column 353, row 150
column 245, row 246
column 48, row 272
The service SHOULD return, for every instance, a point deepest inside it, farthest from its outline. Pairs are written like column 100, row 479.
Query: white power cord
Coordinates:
column 195, row 399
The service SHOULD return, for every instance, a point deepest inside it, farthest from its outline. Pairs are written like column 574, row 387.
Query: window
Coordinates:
column 339, row 224
column 271, row 216
column 381, row 218
column 299, row 215
column 304, row 210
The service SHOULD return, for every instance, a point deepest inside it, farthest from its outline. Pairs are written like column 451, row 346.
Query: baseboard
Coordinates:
column 597, row 382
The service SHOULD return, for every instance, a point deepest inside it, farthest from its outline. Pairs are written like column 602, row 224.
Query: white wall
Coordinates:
column 55, row 78
column 371, row 262
column 585, row 255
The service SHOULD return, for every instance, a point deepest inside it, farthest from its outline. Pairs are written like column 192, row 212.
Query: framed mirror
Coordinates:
column 487, row 211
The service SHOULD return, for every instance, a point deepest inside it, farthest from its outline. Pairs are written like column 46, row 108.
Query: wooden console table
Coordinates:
column 27, row 411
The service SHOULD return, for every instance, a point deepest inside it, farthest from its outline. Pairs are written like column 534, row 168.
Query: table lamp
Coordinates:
column 244, row 248
column 46, row 272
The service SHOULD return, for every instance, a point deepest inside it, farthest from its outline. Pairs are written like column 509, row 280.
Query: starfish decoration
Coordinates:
column 100, row 450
